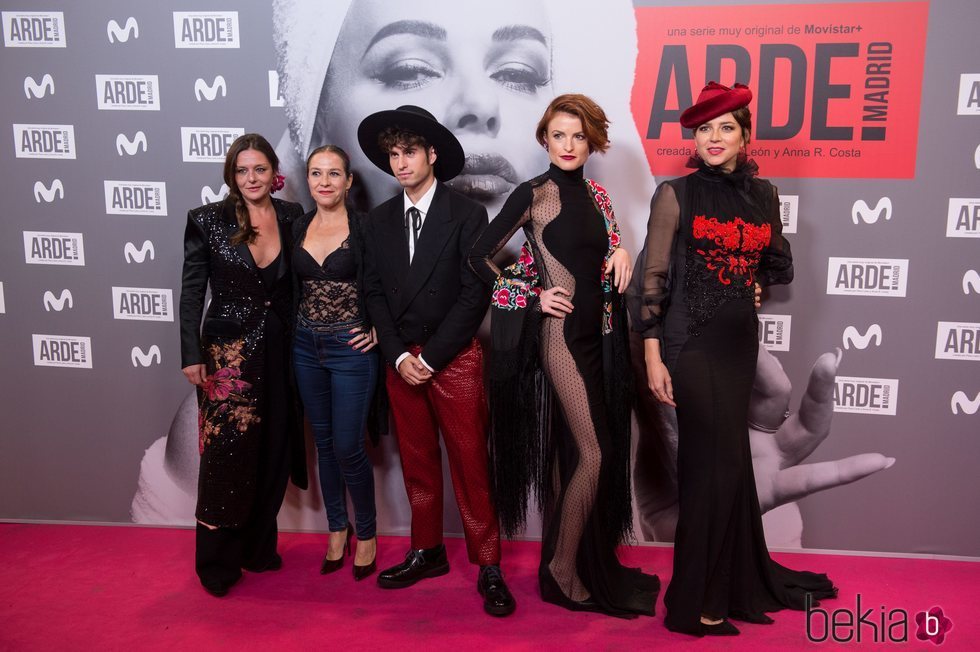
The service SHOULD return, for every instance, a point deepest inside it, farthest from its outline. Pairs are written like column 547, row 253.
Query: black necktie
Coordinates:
column 412, row 231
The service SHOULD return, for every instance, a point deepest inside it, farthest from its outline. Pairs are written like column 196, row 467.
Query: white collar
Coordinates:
column 424, row 202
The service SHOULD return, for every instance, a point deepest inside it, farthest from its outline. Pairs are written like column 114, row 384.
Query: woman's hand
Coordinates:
column 658, row 378
column 554, row 304
column 196, row 374
column 364, row 342
column 619, row 267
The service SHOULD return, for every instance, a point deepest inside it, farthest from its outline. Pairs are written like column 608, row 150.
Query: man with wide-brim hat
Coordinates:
column 427, row 304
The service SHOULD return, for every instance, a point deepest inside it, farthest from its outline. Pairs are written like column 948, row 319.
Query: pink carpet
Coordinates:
column 126, row 588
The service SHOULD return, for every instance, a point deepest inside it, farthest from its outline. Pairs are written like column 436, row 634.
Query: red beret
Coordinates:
column 715, row 100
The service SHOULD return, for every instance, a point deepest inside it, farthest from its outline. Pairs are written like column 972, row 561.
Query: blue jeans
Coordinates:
column 336, row 384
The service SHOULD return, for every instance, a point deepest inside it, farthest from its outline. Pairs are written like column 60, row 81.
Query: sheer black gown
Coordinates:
column 710, row 237
column 567, row 234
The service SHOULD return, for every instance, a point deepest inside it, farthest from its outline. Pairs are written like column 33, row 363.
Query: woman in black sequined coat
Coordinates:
column 251, row 437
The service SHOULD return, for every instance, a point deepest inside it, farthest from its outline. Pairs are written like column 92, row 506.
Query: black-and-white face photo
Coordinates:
column 482, row 69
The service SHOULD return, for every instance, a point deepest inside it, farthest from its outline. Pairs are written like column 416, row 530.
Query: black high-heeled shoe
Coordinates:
column 551, row 592
column 333, row 565
column 360, row 572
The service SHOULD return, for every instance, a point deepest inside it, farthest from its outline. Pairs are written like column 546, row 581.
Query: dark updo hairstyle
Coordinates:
column 341, row 154
column 246, row 232
column 744, row 119
column 595, row 124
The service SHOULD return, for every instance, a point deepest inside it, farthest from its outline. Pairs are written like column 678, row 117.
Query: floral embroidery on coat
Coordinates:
column 519, row 281
column 225, row 400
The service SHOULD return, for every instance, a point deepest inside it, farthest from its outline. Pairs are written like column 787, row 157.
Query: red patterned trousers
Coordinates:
column 454, row 402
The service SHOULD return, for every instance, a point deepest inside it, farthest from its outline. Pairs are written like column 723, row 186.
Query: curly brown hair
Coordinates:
column 595, row 124
column 398, row 137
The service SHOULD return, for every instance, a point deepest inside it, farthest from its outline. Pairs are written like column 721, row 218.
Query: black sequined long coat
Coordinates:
column 232, row 343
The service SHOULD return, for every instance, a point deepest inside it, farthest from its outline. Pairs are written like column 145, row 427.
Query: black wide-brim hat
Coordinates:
column 449, row 153
column 715, row 100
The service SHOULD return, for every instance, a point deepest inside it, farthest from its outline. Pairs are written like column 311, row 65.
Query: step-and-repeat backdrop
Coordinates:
column 867, row 117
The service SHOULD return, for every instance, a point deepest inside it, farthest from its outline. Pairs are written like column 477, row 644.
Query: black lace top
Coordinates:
column 711, row 236
column 328, row 292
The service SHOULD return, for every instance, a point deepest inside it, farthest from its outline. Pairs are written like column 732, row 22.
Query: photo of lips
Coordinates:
column 485, row 177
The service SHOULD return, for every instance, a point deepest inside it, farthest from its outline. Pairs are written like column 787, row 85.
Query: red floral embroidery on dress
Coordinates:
column 740, row 246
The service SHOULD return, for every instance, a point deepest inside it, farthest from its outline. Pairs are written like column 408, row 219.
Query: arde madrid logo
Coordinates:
column 143, row 304
column 48, row 193
column 37, row 89
column 969, row 97
column 44, row 141
column 861, row 212
column 129, row 147
column 135, row 197
column 870, row 277
column 115, row 33
column 62, row 351
column 209, row 196
column 957, row 341
column 51, row 248
column 207, row 144
column 825, row 75
column 874, row 624
column 141, row 359
column 774, row 331
column 128, row 92
column 59, row 302
column 275, row 92
column 34, row 29
column 963, row 218
column 134, row 255
column 206, row 29
column 789, row 207
column 854, row 338
column 866, row 395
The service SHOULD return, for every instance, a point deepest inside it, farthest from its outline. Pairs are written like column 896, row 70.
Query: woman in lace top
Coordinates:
column 711, row 237
column 336, row 368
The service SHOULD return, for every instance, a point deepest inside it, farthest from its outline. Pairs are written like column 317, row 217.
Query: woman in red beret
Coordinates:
column 711, row 236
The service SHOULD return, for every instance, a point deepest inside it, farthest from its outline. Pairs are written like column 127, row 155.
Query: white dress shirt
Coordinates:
column 423, row 205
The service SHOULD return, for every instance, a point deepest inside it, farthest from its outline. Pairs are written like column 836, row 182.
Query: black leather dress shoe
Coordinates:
column 497, row 600
column 418, row 565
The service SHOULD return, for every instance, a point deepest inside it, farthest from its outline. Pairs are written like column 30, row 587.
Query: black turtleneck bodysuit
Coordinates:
column 569, row 241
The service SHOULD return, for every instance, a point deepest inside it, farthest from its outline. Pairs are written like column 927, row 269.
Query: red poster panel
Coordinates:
column 837, row 86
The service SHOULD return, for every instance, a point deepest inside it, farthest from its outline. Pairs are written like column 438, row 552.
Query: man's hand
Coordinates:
column 413, row 371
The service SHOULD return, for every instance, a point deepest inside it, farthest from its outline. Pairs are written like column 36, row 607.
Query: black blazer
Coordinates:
column 237, row 294
column 437, row 301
